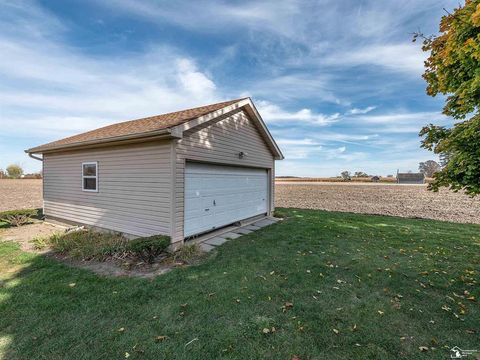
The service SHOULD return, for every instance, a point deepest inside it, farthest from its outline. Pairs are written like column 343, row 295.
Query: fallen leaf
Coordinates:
column 127, row 355
column 266, row 330
column 423, row 348
column 354, row 328
column 161, row 338
column 286, row 306
column 381, row 312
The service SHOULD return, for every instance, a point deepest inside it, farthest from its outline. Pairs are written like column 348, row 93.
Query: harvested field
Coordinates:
column 384, row 199
column 20, row 194
column 366, row 198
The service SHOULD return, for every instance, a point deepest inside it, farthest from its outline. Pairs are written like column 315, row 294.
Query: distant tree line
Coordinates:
column 429, row 168
column 15, row 171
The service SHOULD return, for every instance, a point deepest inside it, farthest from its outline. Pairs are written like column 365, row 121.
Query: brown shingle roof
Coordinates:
column 134, row 127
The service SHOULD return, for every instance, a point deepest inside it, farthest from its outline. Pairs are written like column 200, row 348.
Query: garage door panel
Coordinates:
column 216, row 196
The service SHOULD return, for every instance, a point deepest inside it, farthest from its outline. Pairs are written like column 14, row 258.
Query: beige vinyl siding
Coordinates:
column 134, row 188
column 219, row 142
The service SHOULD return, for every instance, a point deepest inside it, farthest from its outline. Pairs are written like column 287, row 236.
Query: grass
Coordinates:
column 386, row 285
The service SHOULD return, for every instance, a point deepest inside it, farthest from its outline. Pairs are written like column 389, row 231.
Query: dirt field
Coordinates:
column 20, row 194
column 384, row 199
column 368, row 198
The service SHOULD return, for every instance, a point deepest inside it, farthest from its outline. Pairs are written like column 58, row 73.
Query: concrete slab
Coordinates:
column 217, row 238
column 243, row 231
column 263, row 223
column 216, row 241
column 230, row 235
column 207, row 248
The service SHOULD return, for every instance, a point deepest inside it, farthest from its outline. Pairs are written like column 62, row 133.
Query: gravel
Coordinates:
column 384, row 199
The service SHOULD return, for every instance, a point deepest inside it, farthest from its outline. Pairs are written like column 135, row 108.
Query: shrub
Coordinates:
column 19, row 217
column 89, row 244
column 17, row 220
column 148, row 248
column 188, row 253
column 40, row 243
column 279, row 214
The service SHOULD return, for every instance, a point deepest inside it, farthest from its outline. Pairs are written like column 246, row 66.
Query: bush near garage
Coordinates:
column 148, row 248
column 20, row 217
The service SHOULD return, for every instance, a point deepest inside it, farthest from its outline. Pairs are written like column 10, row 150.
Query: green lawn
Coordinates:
column 401, row 283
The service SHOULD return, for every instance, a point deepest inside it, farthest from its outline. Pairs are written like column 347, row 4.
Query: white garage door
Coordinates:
column 216, row 196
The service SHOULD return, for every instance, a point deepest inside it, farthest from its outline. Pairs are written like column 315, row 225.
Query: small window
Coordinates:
column 90, row 176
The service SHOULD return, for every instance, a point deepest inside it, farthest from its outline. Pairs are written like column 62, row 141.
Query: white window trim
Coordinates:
column 89, row 176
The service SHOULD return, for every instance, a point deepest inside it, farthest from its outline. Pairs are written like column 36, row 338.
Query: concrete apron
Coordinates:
column 215, row 238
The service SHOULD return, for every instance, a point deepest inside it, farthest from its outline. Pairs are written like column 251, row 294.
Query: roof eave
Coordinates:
column 151, row 135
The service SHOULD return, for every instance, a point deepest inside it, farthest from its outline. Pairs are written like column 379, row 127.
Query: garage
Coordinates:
column 177, row 174
column 217, row 195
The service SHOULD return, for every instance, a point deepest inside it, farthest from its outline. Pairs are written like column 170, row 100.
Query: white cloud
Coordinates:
column 356, row 111
column 209, row 16
column 193, row 80
column 404, row 117
column 274, row 114
column 306, row 142
column 296, row 86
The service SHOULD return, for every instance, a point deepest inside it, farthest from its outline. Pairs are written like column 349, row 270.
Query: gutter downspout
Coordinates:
column 43, row 183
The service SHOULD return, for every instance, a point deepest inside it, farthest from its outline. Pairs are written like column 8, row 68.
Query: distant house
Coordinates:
column 410, row 178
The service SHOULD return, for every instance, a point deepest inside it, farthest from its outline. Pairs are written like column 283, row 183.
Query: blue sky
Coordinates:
column 338, row 82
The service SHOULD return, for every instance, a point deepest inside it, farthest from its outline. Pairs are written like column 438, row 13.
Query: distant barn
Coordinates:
column 410, row 178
